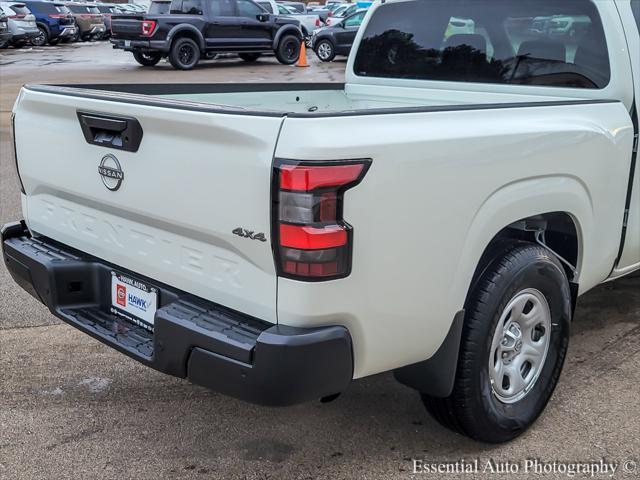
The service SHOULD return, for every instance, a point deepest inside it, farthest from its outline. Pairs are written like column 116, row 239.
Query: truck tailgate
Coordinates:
column 196, row 177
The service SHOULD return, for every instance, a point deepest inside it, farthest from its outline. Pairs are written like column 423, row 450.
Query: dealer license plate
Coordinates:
column 134, row 300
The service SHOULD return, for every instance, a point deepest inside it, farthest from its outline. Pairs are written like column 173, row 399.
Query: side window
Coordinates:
column 248, row 9
column 266, row 6
column 221, row 8
column 354, row 20
column 187, row 7
column 635, row 6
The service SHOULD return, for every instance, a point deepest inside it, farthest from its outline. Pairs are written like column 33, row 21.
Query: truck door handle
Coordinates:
column 111, row 131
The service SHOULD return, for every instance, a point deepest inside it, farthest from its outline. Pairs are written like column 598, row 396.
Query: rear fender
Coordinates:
column 514, row 202
column 183, row 28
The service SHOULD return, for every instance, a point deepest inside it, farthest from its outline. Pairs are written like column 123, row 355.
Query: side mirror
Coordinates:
column 262, row 17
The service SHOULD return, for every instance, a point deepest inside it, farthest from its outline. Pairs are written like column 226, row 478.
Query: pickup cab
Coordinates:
column 487, row 180
column 204, row 28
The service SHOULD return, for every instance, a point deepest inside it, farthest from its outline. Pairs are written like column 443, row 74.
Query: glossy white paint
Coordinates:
column 440, row 187
column 195, row 178
column 630, row 260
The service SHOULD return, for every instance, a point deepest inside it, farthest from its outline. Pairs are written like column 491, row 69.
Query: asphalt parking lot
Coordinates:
column 71, row 407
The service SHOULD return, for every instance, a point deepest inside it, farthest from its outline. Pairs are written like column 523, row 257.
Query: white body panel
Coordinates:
column 441, row 185
column 195, row 178
column 630, row 259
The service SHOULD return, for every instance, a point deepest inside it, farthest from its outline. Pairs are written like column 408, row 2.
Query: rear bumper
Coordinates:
column 218, row 348
column 66, row 31
column 141, row 45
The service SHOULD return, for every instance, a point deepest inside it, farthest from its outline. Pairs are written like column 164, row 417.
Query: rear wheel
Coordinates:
column 42, row 38
column 249, row 57
column 513, row 346
column 184, row 54
column 147, row 59
column 325, row 50
column 288, row 50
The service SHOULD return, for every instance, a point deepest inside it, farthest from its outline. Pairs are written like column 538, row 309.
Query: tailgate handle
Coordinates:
column 111, row 131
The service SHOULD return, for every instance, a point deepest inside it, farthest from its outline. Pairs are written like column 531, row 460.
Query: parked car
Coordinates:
column 131, row 8
column 89, row 21
column 299, row 7
column 440, row 221
column 340, row 13
column 309, row 22
column 159, row 7
column 5, row 33
column 328, row 42
column 568, row 26
column 197, row 28
column 54, row 21
column 21, row 23
column 107, row 10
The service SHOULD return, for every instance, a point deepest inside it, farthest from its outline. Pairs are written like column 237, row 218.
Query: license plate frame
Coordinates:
column 134, row 299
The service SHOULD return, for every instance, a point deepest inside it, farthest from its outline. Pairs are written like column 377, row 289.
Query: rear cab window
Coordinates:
column 187, row 7
column 559, row 43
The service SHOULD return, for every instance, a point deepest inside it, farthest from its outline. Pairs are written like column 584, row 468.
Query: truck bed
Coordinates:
column 287, row 99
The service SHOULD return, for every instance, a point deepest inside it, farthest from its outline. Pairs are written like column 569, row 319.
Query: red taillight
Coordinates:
column 148, row 26
column 317, row 22
column 313, row 242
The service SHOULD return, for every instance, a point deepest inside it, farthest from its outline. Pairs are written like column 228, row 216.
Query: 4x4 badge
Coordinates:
column 241, row 232
column 111, row 172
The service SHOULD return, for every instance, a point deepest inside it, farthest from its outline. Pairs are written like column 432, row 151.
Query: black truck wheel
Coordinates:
column 147, row 59
column 513, row 347
column 184, row 54
column 288, row 50
column 249, row 57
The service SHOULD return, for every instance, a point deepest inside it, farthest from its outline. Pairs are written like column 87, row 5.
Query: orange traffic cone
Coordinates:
column 302, row 59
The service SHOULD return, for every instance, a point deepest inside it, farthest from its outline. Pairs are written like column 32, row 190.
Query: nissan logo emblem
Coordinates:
column 111, row 172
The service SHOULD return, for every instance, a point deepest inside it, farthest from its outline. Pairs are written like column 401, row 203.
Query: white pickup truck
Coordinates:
column 476, row 184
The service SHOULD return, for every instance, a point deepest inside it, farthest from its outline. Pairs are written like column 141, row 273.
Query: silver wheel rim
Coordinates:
column 324, row 50
column 520, row 346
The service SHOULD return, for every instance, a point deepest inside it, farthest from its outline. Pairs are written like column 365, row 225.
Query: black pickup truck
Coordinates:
column 202, row 28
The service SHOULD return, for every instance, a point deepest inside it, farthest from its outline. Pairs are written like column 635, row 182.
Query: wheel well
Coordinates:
column 187, row 34
column 560, row 235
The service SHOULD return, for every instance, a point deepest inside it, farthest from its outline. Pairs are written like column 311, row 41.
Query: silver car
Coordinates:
column 22, row 24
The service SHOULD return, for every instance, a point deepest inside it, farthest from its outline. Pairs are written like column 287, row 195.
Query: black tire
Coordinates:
column 288, row 50
column 76, row 36
column 4, row 44
column 184, row 54
column 147, row 59
column 54, row 41
column 249, row 57
column 42, row 39
column 325, row 50
column 473, row 408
